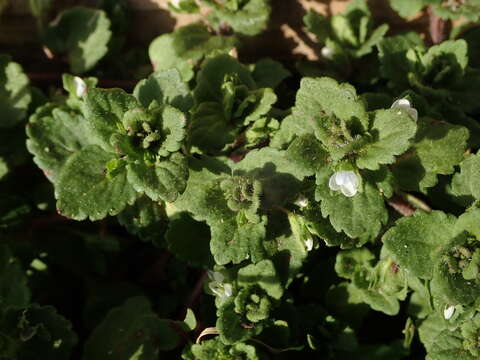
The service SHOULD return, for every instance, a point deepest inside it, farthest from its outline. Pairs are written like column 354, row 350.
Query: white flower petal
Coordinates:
column 349, row 190
column 413, row 113
column 404, row 104
column 301, row 201
column 80, row 86
column 309, row 244
column 227, row 290
column 327, row 52
column 448, row 312
column 401, row 103
column 345, row 181
column 332, row 183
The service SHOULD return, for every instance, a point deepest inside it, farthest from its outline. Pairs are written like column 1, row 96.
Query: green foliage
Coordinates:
column 247, row 17
column 82, row 34
column 15, row 94
column 34, row 330
column 440, row 73
column 246, row 212
column 186, row 47
column 227, row 100
column 350, row 33
column 133, row 329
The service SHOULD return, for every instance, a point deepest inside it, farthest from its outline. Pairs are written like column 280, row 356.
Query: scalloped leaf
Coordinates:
column 392, row 131
column 164, row 180
column 132, row 329
column 85, row 191
column 164, row 87
column 55, row 134
column 467, row 181
column 416, row 242
column 104, row 110
column 360, row 216
column 146, row 219
column 185, row 47
column 39, row 330
column 15, row 94
column 82, row 34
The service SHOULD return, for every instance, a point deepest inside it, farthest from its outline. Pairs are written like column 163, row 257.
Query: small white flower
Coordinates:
column 175, row 3
column 301, row 202
column 217, row 286
column 327, row 52
column 448, row 312
column 404, row 104
column 345, row 181
column 309, row 244
column 80, row 86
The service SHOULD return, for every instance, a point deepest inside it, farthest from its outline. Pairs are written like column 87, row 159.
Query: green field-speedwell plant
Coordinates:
column 219, row 209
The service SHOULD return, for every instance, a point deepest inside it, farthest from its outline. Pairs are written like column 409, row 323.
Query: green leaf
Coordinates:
column 185, row 47
column 235, row 241
column 145, row 218
column 455, row 51
column 261, row 131
column 407, row 8
column 253, row 304
column 210, row 130
column 268, row 73
column 437, row 149
column 416, row 242
column 349, row 262
column 212, row 75
column 468, row 9
column 307, row 153
column 290, row 127
column 262, row 274
column 280, row 177
column 448, row 345
column 317, row 24
column 360, row 216
column 391, row 130
column 128, row 328
column 455, row 279
column 85, row 191
column 189, row 240
column 324, row 97
column 379, row 287
column 104, row 111
column 55, row 134
column 467, row 181
column 15, row 94
column 375, row 37
column 164, row 87
column 322, row 228
column 163, row 180
column 41, row 330
column 214, row 349
column 392, row 52
column 230, row 324
column 203, row 196
column 82, row 34
column 247, row 18
column 13, row 282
